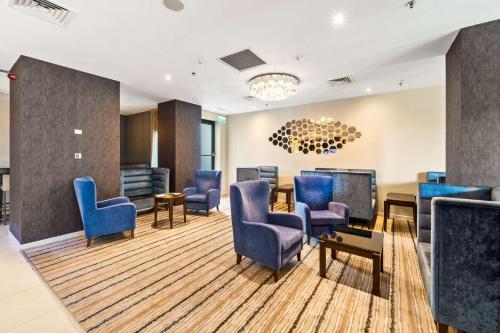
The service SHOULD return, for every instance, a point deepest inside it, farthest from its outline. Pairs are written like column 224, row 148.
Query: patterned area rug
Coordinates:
column 187, row 280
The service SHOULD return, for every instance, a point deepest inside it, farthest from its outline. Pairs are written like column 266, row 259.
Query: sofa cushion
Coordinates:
column 143, row 203
column 324, row 217
column 138, row 185
column 288, row 236
column 197, row 198
column 424, row 262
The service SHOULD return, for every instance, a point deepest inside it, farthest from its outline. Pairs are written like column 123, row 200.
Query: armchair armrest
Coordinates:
column 285, row 220
column 112, row 202
column 111, row 219
column 190, row 190
column 339, row 209
column 264, row 243
column 213, row 197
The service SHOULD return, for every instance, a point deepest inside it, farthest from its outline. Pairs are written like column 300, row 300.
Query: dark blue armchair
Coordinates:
column 205, row 195
column 314, row 204
column 102, row 217
column 271, row 239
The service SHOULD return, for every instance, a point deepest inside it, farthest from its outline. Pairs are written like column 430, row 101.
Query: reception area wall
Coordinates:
column 402, row 134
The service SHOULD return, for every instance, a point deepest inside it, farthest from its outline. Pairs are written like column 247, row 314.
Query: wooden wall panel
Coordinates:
column 179, row 135
column 138, row 138
column 47, row 103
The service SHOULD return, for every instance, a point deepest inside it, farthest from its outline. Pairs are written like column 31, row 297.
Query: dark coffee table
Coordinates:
column 287, row 189
column 368, row 247
column 169, row 200
column 399, row 199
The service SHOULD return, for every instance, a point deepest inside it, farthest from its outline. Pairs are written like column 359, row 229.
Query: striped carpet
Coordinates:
column 186, row 280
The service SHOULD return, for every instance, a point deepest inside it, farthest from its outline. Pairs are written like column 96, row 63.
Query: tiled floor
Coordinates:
column 26, row 303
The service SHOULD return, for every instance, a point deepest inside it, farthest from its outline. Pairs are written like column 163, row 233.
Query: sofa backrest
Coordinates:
column 353, row 187
column 436, row 177
column 465, row 264
column 144, row 181
column 269, row 173
column 427, row 191
column 246, row 174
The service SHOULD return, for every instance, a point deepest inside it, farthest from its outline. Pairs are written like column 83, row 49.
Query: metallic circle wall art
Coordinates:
column 308, row 136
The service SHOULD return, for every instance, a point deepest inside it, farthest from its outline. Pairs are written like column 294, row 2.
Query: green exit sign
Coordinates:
column 221, row 119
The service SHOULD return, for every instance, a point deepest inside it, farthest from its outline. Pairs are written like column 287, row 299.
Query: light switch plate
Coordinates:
column 78, row 131
column 78, row 156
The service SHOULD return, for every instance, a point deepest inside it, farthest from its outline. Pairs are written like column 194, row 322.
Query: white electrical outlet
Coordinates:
column 78, row 131
column 78, row 156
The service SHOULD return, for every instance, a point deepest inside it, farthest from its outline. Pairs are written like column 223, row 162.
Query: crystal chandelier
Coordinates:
column 273, row 87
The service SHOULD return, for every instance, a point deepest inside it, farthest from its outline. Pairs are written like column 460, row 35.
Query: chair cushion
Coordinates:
column 325, row 217
column 288, row 236
column 197, row 198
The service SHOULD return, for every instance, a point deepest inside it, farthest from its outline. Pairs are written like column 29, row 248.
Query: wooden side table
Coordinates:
column 287, row 189
column 399, row 199
column 170, row 200
column 368, row 247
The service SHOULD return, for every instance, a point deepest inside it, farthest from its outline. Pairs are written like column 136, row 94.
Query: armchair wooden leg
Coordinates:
column 299, row 257
column 218, row 208
column 308, row 240
column 207, row 212
column 276, row 275
column 89, row 241
column 442, row 328
column 238, row 258
column 132, row 233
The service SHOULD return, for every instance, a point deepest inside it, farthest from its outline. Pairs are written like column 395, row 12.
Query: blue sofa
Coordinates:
column 357, row 188
column 271, row 239
column 205, row 195
column 314, row 204
column 435, row 176
column 459, row 254
column 105, row 217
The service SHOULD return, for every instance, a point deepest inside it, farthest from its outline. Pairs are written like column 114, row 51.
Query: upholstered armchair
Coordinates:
column 314, row 204
column 271, row 239
column 205, row 195
column 102, row 217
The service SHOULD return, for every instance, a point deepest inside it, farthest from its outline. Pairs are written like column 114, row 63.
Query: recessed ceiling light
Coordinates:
column 168, row 77
column 338, row 19
column 175, row 5
column 368, row 90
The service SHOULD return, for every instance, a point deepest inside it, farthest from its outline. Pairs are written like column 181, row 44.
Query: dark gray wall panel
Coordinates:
column 47, row 103
column 123, row 139
column 179, row 141
column 473, row 106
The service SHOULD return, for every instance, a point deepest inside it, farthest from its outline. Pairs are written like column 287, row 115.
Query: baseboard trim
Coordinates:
column 51, row 240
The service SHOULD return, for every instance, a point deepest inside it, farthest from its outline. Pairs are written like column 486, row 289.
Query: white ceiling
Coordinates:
column 139, row 42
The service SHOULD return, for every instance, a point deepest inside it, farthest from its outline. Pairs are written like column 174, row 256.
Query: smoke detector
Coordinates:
column 45, row 10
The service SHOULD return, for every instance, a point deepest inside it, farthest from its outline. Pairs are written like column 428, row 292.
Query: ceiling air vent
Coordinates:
column 45, row 10
column 341, row 81
column 242, row 60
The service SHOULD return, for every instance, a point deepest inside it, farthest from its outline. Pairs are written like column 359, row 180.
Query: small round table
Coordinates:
column 169, row 200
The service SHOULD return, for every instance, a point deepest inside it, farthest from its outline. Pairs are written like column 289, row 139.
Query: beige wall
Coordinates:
column 403, row 134
column 220, row 146
column 4, row 133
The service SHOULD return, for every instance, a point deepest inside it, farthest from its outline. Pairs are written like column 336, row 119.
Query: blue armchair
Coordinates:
column 313, row 203
column 205, row 195
column 271, row 239
column 102, row 217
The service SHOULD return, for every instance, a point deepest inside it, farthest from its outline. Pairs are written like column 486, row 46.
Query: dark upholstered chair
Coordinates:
column 205, row 195
column 271, row 239
column 102, row 217
column 458, row 254
column 314, row 204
